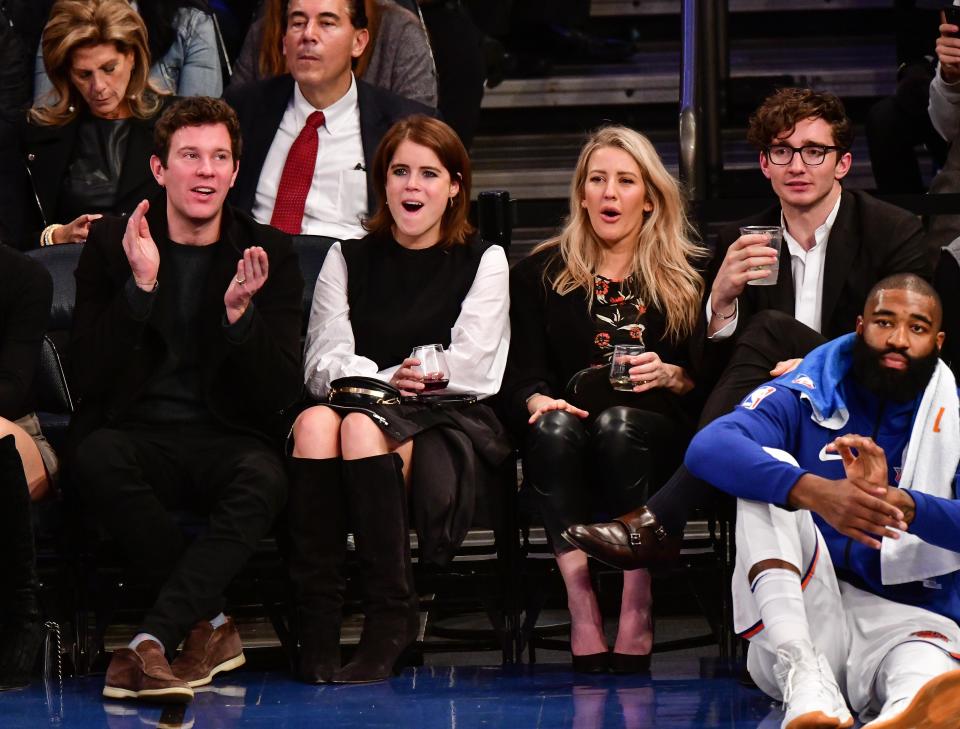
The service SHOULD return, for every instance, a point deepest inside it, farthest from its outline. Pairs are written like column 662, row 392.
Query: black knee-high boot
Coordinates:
column 318, row 546
column 21, row 629
column 377, row 508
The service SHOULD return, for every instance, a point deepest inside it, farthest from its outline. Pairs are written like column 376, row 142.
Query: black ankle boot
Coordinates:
column 318, row 547
column 377, row 508
column 21, row 632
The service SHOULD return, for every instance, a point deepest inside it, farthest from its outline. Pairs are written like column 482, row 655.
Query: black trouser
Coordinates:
column 611, row 465
column 134, row 477
column 768, row 338
column 895, row 125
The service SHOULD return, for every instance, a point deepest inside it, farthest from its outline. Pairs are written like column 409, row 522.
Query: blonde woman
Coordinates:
column 622, row 271
column 87, row 153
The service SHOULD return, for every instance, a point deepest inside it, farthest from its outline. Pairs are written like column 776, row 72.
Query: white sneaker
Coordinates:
column 811, row 697
column 935, row 706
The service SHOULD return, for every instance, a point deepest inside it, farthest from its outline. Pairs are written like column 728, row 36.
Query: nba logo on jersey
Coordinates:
column 804, row 381
column 756, row 397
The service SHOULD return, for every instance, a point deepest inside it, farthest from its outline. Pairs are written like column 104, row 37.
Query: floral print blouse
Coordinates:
column 619, row 315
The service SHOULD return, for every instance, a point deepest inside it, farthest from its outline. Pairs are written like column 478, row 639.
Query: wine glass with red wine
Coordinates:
column 433, row 366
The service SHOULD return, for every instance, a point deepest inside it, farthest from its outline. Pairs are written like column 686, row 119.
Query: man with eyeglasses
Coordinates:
column 836, row 245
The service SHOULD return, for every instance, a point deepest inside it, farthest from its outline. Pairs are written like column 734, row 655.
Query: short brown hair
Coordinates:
column 780, row 113
column 444, row 142
column 195, row 111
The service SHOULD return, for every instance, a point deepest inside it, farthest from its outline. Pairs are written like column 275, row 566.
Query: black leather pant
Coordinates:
column 576, row 471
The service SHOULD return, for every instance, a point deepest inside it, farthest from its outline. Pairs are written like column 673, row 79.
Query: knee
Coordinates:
column 619, row 427
column 96, row 461
column 359, row 436
column 768, row 322
column 263, row 471
column 557, row 427
column 316, row 429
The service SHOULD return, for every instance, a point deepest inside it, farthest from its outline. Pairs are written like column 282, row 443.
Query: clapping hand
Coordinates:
column 140, row 249
column 252, row 271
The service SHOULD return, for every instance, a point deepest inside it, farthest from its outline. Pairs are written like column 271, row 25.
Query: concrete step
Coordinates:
column 848, row 67
column 627, row 8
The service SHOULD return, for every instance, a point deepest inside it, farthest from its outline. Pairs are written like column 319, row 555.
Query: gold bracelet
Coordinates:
column 141, row 284
column 46, row 237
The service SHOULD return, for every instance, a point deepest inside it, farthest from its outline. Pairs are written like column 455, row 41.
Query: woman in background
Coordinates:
column 183, row 43
column 88, row 153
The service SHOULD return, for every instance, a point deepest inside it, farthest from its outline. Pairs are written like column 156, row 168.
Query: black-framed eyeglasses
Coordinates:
column 811, row 154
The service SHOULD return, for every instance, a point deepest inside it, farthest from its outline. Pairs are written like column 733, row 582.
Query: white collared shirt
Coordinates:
column 807, row 270
column 337, row 200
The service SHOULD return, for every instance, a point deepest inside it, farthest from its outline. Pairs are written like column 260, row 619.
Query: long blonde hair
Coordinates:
column 77, row 24
column 666, row 247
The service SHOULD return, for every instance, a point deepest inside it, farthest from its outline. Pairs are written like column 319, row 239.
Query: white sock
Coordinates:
column 780, row 601
column 218, row 621
column 904, row 671
column 140, row 637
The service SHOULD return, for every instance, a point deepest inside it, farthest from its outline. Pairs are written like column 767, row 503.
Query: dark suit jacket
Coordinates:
column 47, row 151
column 261, row 106
column 869, row 240
column 246, row 383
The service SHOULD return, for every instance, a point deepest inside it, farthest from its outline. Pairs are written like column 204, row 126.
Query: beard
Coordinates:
column 897, row 385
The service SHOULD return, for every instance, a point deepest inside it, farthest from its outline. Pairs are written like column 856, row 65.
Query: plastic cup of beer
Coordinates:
column 774, row 236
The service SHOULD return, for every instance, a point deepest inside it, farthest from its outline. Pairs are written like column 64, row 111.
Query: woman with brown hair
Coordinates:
column 421, row 276
column 397, row 58
column 88, row 152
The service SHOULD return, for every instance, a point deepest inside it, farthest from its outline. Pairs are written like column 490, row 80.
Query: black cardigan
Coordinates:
column 25, row 293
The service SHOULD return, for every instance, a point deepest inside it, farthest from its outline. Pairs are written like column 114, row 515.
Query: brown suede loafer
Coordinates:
column 207, row 652
column 144, row 674
column 630, row 542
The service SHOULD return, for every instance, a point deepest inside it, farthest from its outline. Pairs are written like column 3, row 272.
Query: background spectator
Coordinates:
column 397, row 57
column 88, row 152
column 182, row 40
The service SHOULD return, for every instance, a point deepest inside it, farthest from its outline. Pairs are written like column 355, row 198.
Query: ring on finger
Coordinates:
column 240, row 281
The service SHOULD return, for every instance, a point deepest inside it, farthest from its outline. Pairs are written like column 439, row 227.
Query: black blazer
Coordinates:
column 869, row 240
column 261, row 106
column 246, row 383
column 47, row 151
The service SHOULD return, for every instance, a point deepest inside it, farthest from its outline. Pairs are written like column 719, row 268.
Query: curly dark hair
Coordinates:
column 780, row 112
column 195, row 111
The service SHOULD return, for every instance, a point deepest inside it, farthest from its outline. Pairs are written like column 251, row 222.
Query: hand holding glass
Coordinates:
column 620, row 365
column 774, row 236
column 432, row 367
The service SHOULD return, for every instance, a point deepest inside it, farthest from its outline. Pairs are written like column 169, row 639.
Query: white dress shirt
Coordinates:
column 806, row 266
column 337, row 200
column 479, row 340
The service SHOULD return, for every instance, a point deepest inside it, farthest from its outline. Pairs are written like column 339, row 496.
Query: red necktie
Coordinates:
column 296, row 178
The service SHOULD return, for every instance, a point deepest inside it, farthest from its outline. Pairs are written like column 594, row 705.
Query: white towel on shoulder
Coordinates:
column 929, row 466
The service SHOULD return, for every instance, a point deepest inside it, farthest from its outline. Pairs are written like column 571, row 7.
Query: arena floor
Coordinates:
column 431, row 697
